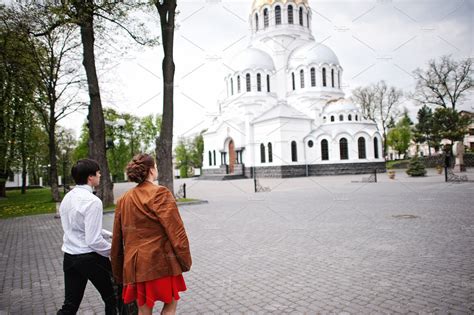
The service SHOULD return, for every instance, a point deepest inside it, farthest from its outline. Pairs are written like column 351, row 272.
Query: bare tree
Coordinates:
column 444, row 82
column 379, row 104
column 164, row 143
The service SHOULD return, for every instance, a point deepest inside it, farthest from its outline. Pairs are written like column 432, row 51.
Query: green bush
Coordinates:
column 416, row 167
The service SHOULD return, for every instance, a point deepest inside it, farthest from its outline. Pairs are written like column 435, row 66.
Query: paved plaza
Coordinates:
column 314, row 245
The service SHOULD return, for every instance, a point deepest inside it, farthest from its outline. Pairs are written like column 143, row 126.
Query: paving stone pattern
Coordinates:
column 316, row 245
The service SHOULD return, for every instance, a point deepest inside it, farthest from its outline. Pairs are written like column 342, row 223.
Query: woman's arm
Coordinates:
column 116, row 253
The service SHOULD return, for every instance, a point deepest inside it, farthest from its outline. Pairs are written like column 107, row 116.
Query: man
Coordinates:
column 86, row 251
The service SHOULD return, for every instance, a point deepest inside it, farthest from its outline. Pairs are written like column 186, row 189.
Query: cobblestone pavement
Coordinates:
column 318, row 245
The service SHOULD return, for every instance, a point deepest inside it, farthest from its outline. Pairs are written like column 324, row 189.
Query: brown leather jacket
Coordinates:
column 149, row 240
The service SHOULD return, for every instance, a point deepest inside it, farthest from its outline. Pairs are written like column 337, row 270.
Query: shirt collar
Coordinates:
column 86, row 187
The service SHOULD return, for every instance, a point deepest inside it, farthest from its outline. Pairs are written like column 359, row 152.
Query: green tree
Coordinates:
column 416, row 167
column 149, row 129
column 183, row 154
column 449, row 124
column 399, row 137
column 197, row 150
column 423, row 131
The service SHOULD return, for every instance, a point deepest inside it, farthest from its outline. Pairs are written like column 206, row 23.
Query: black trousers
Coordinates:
column 78, row 269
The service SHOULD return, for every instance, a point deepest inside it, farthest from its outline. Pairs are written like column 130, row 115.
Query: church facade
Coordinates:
column 285, row 113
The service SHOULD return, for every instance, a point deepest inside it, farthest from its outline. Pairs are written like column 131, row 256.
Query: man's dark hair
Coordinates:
column 83, row 169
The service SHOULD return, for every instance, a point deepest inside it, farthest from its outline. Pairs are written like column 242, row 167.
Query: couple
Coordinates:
column 149, row 250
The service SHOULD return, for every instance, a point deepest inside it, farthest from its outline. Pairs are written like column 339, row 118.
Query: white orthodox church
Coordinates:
column 285, row 114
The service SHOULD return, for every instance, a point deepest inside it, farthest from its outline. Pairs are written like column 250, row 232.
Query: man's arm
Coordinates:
column 93, row 229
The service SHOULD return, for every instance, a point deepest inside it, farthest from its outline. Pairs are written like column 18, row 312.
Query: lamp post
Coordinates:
column 64, row 152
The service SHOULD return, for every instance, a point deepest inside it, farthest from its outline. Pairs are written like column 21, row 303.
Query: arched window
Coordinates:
column 332, row 77
column 231, row 86
column 210, row 158
column 324, row 150
column 343, row 149
column 332, row 118
column 268, row 83
column 259, row 82
column 324, row 76
column 293, row 80
column 262, row 153
column 349, row 117
column 376, row 148
column 341, row 117
column 270, row 152
column 290, row 14
column 313, row 77
column 277, row 15
column 256, row 21
column 238, row 84
column 302, row 78
column 247, row 81
column 357, row 117
column 339, row 79
column 301, row 16
column 214, row 153
column 294, row 154
column 265, row 18
column 361, row 146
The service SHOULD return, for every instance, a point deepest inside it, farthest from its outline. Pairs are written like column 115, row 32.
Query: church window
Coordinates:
column 259, row 82
column 290, row 14
column 210, row 158
column 277, row 15
column 231, row 86
column 268, row 83
column 293, row 80
column 302, row 78
column 324, row 150
column 357, row 117
column 301, row 16
column 376, row 148
column 313, row 77
column 247, row 81
column 332, row 77
column 214, row 157
column 294, row 155
column 332, row 118
column 256, row 21
column 238, row 84
column 349, row 117
column 265, row 18
column 361, row 146
column 341, row 117
column 324, row 76
column 262, row 153
column 324, row 119
column 310, row 143
column 270, row 152
column 343, row 149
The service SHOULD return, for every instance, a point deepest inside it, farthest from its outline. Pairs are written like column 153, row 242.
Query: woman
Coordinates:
column 150, row 249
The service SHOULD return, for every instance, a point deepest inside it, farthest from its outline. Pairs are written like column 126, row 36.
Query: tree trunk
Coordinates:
column 53, row 169
column 97, row 149
column 164, row 144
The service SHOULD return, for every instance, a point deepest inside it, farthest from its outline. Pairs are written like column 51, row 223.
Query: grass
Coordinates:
column 397, row 164
column 35, row 201
column 185, row 199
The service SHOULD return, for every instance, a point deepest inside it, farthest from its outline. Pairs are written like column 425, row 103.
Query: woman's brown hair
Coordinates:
column 139, row 167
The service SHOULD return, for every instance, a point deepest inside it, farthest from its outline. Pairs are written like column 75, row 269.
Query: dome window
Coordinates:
column 324, row 150
column 302, row 78
column 290, row 14
column 313, row 77
column 265, row 18
column 210, row 158
column 361, row 147
column 268, row 83
column 231, row 86
column 341, row 117
column 277, row 15
column 270, row 153
column 238, row 84
column 293, row 80
column 357, row 118
column 214, row 154
column 256, row 21
column 301, row 16
column 310, row 143
column 332, row 77
column 262, row 153
column 343, row 149
column 376, row 148
column 324, row 76
column 259, row 82
column 332, row 118
column 349, row 117
column 247, row 81
column 294, row 154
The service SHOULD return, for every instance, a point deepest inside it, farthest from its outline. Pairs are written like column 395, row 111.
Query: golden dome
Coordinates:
column 258, row 4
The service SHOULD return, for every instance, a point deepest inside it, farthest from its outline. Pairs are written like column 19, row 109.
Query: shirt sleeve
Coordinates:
column 116, row 254
column 93, row 229
column 168, row 215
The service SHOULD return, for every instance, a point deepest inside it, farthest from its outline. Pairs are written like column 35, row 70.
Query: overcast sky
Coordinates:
column 374, row 40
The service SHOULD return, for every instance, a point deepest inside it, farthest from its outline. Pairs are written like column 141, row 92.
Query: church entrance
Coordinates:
column 231, row 157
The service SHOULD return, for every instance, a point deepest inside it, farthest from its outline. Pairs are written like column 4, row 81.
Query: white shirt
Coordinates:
column 81, row 217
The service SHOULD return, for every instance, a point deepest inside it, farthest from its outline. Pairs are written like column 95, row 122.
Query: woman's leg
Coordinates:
column 145, row 310
column 170, row 308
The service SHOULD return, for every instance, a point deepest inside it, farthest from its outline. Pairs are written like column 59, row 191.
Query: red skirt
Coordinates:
column 163, row 289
